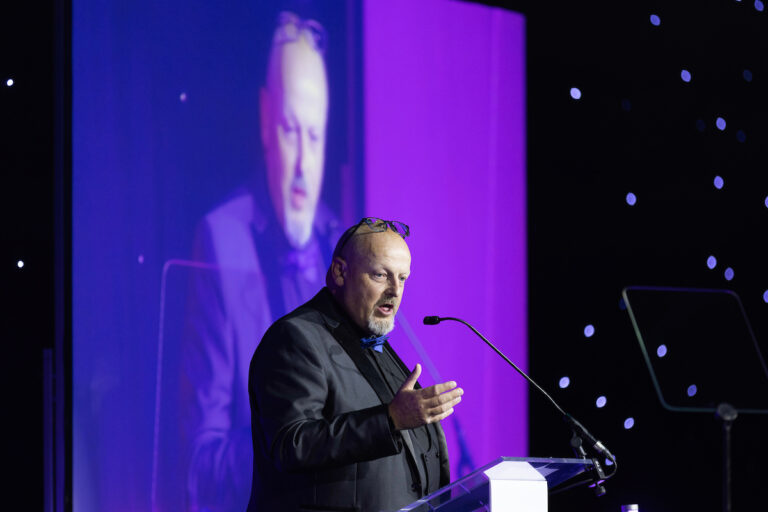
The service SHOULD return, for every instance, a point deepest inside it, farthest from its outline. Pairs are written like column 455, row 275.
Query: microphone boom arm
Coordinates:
column 578, row 429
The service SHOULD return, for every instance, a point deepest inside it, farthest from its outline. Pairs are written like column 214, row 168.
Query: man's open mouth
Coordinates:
column 386, row 308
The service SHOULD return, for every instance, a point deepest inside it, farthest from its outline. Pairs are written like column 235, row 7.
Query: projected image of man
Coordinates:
column 267, row 247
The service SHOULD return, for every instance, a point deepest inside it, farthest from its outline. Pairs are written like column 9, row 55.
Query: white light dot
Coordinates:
column 629, row 423
column 631, row 199
column 692, row 390
column 564, row 382
column 759, row 5
column 720, row 123
column 728, row 274
column 685, row 75
column 575, row 93
column 20, row 264
column 589, row 330
column 600, row 402
column 183, row 97
column 655, row 20
column 141, row 259
column 9, row 82
column 661, row 350
column 719, row 182
column 765, row 296
column 711, row 262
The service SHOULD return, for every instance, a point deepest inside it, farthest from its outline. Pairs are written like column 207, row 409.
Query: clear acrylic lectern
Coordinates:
column 507, row 483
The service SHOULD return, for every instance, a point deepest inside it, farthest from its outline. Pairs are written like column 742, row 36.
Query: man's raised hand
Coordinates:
column 413, row 408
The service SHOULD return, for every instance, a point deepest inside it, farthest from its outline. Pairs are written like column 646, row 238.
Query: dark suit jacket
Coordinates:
column 322, row 438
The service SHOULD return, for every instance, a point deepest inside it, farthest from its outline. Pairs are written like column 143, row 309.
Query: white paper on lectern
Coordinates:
column 516, row 485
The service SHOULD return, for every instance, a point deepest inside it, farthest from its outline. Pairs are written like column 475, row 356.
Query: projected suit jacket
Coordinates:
column 322, row 438
column 252, row 278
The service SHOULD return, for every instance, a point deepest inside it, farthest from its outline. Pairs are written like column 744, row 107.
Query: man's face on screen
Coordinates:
column 294, row 111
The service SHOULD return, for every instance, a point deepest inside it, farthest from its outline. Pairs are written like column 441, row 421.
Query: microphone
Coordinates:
column 577, row 427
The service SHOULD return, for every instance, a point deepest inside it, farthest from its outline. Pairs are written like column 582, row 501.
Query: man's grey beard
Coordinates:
column 297, row 231
column 382, row 326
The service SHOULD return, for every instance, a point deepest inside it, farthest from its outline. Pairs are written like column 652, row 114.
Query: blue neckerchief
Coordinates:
column 377, row 342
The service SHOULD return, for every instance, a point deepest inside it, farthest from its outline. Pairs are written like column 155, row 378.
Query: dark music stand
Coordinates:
column 689, row 339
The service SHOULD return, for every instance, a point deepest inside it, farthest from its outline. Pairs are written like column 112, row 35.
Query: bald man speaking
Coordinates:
column 339, row 423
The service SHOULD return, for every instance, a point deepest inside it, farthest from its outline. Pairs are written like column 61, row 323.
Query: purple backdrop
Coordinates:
column 445, row 152
column 165, row 125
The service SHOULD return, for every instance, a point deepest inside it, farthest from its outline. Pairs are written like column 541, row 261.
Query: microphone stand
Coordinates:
column 579, row 433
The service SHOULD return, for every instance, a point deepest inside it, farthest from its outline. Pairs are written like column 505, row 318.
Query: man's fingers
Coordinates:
column 445, row 397
column 442, row 416
column 443, row 407
column 412, row 378
column 441, row 388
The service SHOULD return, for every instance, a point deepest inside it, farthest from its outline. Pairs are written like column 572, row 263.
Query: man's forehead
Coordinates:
column 294, row 63
column 374, row 245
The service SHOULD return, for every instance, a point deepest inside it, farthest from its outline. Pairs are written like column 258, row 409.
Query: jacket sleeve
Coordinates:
column 292, row 402
column 217, row 450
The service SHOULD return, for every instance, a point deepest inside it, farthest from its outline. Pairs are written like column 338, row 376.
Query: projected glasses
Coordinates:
column 291, row 27
column 376, row 225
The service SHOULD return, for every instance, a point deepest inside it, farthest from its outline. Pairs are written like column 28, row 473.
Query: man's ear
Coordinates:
column 338, row 271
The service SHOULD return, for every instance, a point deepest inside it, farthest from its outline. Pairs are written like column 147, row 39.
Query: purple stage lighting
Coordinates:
column 655, row 20
column 631, row 199
column 183, row 97
column 711, row 262
column 728, row 274
column 600, row 402
column 766, row 201
column 765, row 296
column 661, row 350
column 719, row 182
column 692, row 390
column 685, row 75
column 564, row 382
column 720, row 123
column 747, row 74
column 759, row 5
column 629, row 423
column 589, row 331
column 575, row 93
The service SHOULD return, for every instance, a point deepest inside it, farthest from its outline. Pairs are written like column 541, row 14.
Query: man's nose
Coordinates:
column 303, row 154
column 395, row 287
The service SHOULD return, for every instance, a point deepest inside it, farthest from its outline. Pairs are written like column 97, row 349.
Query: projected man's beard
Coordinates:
column 298, row 228
column 298, row 221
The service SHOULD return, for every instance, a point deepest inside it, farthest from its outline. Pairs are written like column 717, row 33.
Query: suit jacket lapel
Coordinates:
column 350, row 342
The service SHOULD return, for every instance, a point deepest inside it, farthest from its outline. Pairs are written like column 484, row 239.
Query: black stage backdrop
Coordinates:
column 639, row 127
